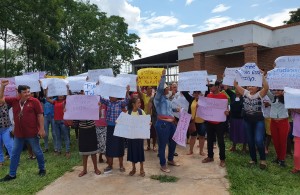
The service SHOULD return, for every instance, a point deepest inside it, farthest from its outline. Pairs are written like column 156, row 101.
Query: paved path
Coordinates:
column 195, row 178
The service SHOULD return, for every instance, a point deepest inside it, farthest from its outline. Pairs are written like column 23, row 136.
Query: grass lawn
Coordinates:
column 246, row 179
column 28, row 181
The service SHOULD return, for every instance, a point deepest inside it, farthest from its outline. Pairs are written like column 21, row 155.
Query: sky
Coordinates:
column 163, row 25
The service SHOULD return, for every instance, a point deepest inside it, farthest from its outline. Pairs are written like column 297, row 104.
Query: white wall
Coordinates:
column 186, row 52
column 286, row 36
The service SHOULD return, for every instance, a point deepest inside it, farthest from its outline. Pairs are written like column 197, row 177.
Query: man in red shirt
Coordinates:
column 214, row 128
column 29, row 126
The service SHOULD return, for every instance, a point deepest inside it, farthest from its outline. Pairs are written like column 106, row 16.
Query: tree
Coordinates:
column 294, row 17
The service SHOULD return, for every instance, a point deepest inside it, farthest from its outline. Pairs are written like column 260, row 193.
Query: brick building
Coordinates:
column 235, row 45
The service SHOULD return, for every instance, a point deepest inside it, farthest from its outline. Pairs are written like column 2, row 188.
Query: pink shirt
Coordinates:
column 296, row 124
column 102, row 118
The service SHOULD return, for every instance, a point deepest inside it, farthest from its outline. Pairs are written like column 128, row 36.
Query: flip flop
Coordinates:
column 166, row 170
column 82, row 173
column 97, row 172
column 142, row 173
column 148, row 148
column 132, row 172
column 154, row 149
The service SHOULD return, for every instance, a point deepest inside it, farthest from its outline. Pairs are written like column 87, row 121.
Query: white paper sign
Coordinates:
column 180, row 134
column 291, row 98
column 192, row 81
column 249, row 75
column 133, row 127
column 279, row 78
column 180, row 102
column 82, row 107
column 229, row 76
column 288, row 62
column 93, row 75
column 132, row 78
column 112, row 86
column 76, row 83
column 57, row 87
column 89, row 88
column 212, row 109
column 212, row 77
column 30, row 80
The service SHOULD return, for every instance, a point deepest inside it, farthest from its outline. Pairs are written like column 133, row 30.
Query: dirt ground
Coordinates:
column 194, row 178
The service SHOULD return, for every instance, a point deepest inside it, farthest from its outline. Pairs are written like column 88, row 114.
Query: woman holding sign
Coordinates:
column 254, row 120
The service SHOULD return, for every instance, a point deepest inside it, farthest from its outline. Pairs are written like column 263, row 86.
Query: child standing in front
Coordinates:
column 135, row 152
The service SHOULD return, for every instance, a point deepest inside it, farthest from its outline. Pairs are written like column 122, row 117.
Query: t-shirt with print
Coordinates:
column 4, row 117
column 253, row 106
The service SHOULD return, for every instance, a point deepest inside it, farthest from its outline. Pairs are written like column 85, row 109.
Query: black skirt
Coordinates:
column 135, row 151
column 114, row 144
column 87, row 141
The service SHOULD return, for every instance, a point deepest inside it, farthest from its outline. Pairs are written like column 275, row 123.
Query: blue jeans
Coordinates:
column 17, row 149
column 165, row 131
column 48, row 120
column 255, row 135
column 62, row 131
column 7, row 141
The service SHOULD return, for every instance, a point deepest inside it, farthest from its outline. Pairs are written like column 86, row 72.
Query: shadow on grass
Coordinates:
column 165, row 178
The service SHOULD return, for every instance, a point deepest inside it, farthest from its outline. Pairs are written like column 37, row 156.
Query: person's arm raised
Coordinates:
column 2, row 87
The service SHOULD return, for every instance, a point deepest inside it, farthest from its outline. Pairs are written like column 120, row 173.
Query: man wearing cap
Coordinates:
column 29, row 126
column 215, row 128
column 165, row 126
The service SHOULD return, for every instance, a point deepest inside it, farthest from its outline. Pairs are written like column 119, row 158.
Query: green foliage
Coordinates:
column 165, row 178
column 294, row 17
column 65, row 36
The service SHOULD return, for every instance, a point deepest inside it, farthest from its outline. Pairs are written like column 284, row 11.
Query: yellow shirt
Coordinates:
column 193, row 110
column 146, row 99
column 137, row 113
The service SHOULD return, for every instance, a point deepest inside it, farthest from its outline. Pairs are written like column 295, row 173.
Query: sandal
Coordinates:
column 173, row 163
column 82, row 173
column 132, row 172
column 97, row 172
column 148, row 148
column 142, row 173
column 122, row 169
column 154, row 149
column 31, row 157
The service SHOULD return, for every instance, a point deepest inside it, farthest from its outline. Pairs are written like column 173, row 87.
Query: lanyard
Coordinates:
column 22, row 107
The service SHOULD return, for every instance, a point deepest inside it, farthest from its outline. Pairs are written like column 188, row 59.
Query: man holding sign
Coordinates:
column 29, row 126
column 215, row 128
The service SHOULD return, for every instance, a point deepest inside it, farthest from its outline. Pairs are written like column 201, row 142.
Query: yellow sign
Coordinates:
column 57, row 77
column 149, row 76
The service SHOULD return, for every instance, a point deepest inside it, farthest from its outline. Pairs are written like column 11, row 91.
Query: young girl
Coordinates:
column 135, row 152
column 296, row 133
column 279, row 125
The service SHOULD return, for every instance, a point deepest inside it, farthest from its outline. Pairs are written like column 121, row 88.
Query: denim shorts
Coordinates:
column 200, row 130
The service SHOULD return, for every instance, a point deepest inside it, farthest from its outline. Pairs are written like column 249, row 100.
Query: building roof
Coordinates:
column 162, row 58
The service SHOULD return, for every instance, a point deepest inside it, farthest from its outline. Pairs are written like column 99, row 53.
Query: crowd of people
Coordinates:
column 254, row 117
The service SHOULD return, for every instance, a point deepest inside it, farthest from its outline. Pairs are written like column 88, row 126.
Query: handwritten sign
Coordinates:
column 133, row 127
column 76, row 83
column 112, row 86
column 42, row 74
column 212, row 109
column 229, row 76
column 180, row 134
column 288, row 62
column 57, row 87
column 149, row 76
column 192, row 81
column 279, row 78
column 89, row 88
column 249, row 75
column 30, row 80
column 179, row 101
column 93, row 75
column 291, row 98
column 10, row 89
column 132, row 82
column 82, row 107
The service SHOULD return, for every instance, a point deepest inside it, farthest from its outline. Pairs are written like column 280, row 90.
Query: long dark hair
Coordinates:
column 131, row 102
column 280, row 99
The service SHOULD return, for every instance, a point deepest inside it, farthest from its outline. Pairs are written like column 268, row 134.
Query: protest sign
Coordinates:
column 93, row 75
column 55, row 77
column 132, row 82
column 31, row 80
column 76, row 83
column 133, row 126
column 42, row 74
column 291, row 98
column 57, row 87
column 89, row 88
column 288, row 62
column 192, row 81
column 212, row 109
column 249, row 75
column 179, row 101
column 149, row 76
column 180, row 134
column 82, row 107
column 112, row 86
column 10, row 89
column 212, row 77
column 229, row 76
column 279, row 78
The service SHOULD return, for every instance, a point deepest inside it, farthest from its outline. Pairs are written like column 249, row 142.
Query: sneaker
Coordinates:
column 8, row 178
column 42, row 173
column 108, row 169
column 207, row 160
column 282, row 163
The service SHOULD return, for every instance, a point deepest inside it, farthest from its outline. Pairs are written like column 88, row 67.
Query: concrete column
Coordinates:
column 199, row 61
